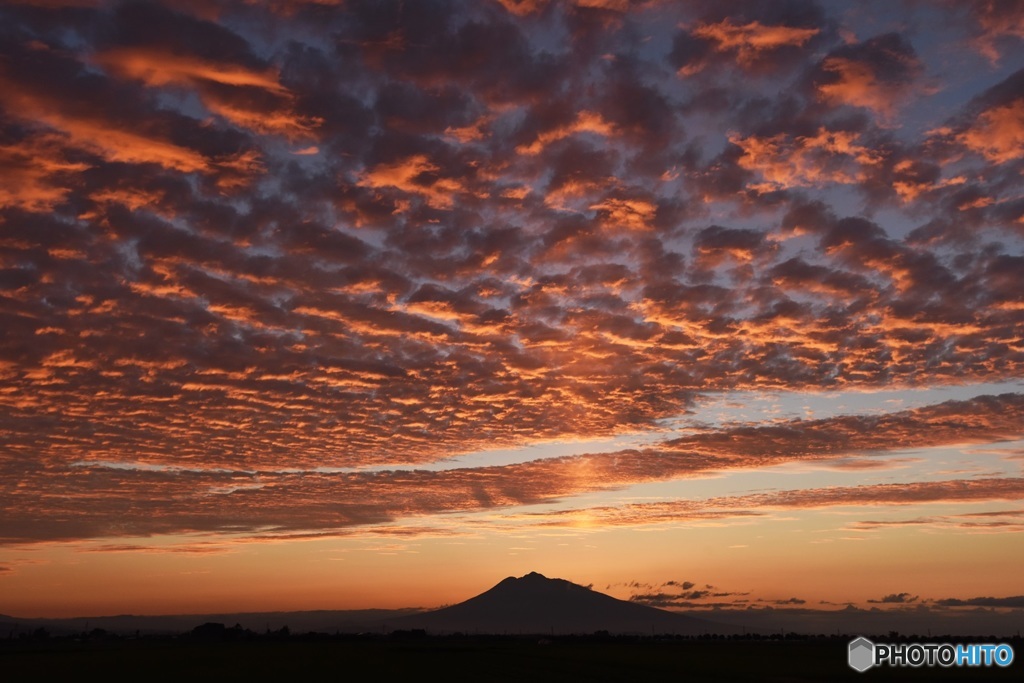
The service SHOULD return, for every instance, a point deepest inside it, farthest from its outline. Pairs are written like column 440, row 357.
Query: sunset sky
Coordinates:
column 331, row 305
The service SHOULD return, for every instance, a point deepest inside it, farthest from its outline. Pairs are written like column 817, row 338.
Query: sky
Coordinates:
column 339, row 305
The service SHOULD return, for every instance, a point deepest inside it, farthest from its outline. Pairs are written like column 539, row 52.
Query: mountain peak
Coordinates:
column 533, row 578
column 534, row 584
column 531, row 575
column 534, row 603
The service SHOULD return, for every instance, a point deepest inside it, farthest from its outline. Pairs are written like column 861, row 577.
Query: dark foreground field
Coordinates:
column 462, row 659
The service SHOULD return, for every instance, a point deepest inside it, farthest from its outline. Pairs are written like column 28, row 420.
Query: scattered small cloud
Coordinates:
column 1015, row 601
column 896, row 598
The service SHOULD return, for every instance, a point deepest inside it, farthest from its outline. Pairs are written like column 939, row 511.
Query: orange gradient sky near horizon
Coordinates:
column 847, row 554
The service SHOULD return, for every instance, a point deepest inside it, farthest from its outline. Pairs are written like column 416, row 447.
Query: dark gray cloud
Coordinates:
column 896, row 599
column 1011, row 601
column 682, row 595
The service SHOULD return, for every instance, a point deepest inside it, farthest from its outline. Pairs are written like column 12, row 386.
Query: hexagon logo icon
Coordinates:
column 862, row 654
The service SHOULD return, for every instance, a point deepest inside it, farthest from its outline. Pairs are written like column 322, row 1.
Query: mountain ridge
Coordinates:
column 534, row 603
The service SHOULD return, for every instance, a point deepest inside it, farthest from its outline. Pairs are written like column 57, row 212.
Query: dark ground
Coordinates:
column 478, row 659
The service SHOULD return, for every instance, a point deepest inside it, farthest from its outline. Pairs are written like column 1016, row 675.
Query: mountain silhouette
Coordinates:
column 537, row 604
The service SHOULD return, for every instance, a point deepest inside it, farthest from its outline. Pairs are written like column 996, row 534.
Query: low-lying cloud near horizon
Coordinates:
column 259, row 262
column 84, row 500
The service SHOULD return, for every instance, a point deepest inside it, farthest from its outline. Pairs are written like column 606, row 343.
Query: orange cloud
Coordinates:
column 785, row 162
column 632, row 214
column 159, row 68
column 909, row 183
column 740, row 507
column 613, row 5
column 586, row 122
column 878, row 75
column 115, row 145
column 997, row 133
column 856, row 85
column 750, row 41
column 523, row 7
column 98, row 135
column 118, row 145
column 416, row 175
column 35, row 175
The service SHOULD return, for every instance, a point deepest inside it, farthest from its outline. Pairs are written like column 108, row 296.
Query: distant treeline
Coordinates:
column 215, row 632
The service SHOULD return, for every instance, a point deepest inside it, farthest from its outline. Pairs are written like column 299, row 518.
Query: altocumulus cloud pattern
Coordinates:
column 249, row 250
